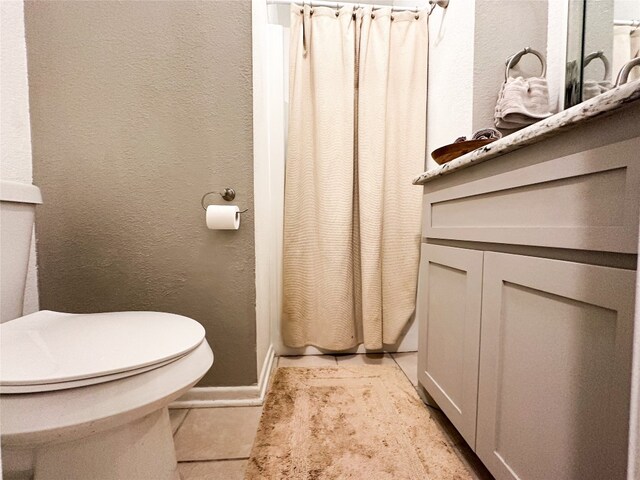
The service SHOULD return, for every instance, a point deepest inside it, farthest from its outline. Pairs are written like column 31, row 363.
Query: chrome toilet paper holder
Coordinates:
column 228, row 194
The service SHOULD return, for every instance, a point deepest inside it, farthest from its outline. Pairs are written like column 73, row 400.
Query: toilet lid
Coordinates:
column 47, row 347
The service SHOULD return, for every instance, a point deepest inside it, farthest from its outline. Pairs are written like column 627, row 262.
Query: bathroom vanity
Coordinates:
column 527, row 290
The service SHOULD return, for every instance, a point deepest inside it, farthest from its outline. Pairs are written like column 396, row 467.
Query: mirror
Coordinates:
column 603, row 38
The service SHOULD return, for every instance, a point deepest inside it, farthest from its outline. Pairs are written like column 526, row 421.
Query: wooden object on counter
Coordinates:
column 449, row 152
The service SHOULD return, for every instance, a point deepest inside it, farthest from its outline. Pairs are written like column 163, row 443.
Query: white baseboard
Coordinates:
column 265, row 374
column 253, row 395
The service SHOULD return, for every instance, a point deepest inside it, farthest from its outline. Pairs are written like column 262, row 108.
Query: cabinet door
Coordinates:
column 449, row 310
column 555, row 361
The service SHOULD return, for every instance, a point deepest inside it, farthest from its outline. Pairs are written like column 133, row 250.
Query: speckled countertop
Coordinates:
column 595, row 107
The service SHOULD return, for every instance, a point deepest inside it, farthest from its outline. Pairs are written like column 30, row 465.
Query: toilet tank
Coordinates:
column 17, row 211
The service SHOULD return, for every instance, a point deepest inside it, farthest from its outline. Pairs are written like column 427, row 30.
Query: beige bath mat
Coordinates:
column 360, row 422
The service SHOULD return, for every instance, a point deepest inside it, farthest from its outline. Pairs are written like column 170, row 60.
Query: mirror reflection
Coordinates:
column 606, row 54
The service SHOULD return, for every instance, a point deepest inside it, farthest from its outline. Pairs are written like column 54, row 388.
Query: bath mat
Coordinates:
column 355, row 422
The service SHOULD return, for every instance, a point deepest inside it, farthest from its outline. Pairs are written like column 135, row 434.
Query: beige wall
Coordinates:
column 502, row 28
column 137, row 109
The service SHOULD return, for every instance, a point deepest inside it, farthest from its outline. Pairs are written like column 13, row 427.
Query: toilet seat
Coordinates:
column 48, row 387
column 52, row 416
column 73, row 350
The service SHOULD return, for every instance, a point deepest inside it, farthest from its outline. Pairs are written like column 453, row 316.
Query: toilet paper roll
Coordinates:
column 223, row 217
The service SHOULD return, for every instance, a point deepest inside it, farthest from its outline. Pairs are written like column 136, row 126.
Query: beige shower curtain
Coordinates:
column 626, row 46
column 357, row 128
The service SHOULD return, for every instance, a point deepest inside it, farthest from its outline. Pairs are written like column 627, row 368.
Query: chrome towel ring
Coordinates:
column 605, row 61
column 513, row 60
column 623, row 74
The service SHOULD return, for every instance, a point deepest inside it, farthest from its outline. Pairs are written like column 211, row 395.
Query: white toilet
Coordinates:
column 86, row 396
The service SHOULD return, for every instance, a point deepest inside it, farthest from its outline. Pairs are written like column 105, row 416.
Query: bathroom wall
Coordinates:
column 598, row 36
column 626, row 10
column 15, row 139
column 634, row 420
column 268, row 222
column 502, row 28
column 557, row 51
column 275, row 23
column 468, row 45
column 137, row 110
column 451, row 89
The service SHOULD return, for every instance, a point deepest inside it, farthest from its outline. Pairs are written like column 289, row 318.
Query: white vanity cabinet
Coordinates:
column 555, row 368
column 526, row 303
column 451, row 291
column 530, row 359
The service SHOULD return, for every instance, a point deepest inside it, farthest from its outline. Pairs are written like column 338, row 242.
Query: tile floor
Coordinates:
column 215, row 443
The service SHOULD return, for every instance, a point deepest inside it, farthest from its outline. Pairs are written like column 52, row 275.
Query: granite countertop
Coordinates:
column 601, row 105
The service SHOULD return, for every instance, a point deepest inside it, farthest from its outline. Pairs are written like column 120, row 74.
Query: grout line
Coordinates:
column 211, row 460
column 402, row 370
column 182, row 422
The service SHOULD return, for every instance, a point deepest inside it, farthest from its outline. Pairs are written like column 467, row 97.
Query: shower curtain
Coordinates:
column 357, row 125
column 626, row 46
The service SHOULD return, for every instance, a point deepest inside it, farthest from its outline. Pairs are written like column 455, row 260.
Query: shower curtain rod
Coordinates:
column 626, row 23
column 324, row 3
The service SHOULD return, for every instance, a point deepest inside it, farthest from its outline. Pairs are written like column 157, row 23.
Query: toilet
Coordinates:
column 85, row 396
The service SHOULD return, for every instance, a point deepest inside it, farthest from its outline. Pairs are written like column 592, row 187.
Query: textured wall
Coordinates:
column 137, row 109
column 15, row 136
column 598, row 35
column 502, row 28
column 15, row 141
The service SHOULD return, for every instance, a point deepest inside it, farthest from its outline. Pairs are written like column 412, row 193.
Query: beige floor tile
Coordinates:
column 308, row 361
column 408, row 362
column 176, row 415
column 217, row 433
column 365, row 359
column 216, row 470
column 452, row 435
column 460, row 447
column 472, row 462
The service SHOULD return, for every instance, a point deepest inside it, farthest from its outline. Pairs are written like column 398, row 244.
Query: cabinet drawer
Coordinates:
column 586, row 201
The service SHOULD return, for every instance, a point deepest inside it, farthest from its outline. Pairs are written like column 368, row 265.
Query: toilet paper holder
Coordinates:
column 228, row 194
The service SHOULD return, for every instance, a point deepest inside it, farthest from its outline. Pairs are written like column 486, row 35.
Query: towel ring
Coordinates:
column 623, row 74
column 599, row 54
column 513, row 60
